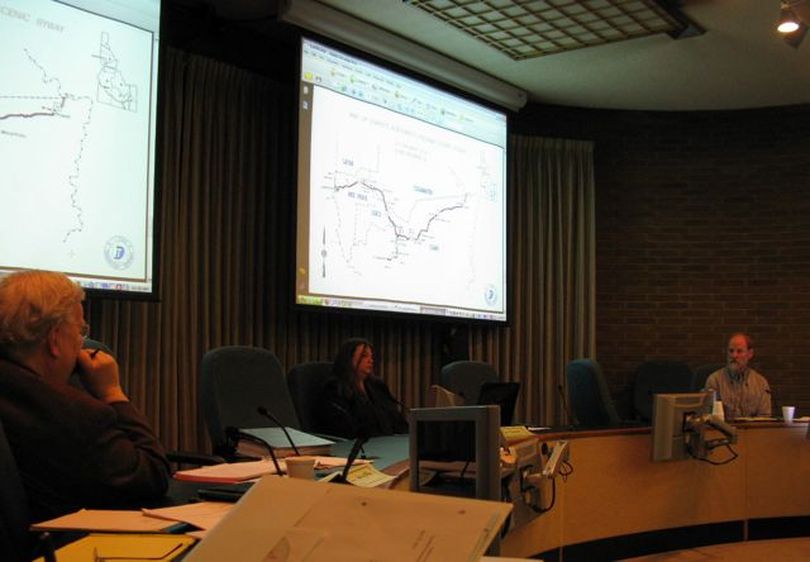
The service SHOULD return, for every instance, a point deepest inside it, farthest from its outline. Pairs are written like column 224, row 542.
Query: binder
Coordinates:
column 306, row 443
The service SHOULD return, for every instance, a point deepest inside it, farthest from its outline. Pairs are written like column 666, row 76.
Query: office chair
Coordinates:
column 656, row 377
column 466, row 377
column 234, row 382
column 179, row 457
column 95, row 344
column 702, row 373
column 17, row 544
column 305, row 381
column 589, row 396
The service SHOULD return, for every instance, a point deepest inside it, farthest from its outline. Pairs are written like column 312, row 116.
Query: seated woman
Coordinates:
column 354, row 402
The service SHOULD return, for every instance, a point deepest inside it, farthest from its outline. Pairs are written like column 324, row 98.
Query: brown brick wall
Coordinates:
column 703, row 228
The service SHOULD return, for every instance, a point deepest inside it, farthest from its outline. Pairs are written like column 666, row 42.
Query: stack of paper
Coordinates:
column 112, row 520
column 306, row 443
column 233, row 473
column 203, row 515
column 512, row 434
column 227, row 473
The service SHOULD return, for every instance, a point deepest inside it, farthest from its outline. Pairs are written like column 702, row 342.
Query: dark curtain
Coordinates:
column 226, row 220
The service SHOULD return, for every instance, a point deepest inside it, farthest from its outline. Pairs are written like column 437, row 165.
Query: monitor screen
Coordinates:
column 501, row 394
column 78, row 101
column 670, row 436
column 401, row 193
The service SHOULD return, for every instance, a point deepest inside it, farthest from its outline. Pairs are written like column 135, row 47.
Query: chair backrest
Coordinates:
column 656, row 377
column 14, row 519
column 305, row 382
column 466, row 377
column 702, row 372
column 589, row 396
column 234, row 382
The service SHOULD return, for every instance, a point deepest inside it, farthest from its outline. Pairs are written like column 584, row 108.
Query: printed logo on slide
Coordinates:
column 490, row 295
column 119, row 252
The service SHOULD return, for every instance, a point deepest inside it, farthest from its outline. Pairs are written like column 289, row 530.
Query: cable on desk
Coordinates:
column 734, row 455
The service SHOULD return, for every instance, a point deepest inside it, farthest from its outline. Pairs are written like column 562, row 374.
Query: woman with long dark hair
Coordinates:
column 355, row 402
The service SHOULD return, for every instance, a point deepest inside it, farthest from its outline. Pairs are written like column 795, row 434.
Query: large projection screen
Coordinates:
column 401, row 193
column 78, row 102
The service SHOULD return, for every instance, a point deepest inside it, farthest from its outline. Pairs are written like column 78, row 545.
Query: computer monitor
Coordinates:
column 672, row 435
column 503, row 395
column 468, row 436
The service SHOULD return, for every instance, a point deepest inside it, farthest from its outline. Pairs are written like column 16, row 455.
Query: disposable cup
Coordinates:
column 787, row 413
column 301, row 467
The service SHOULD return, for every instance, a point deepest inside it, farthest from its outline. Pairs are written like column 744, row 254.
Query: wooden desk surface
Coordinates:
column 616, row 490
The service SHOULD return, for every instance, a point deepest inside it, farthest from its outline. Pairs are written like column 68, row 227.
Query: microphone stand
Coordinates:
column 566, row 409
column 357, row 446
column 266, row 413
column 235, row 435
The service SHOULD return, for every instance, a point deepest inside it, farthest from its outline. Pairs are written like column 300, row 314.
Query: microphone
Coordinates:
column 265, row 412
column 233, row 435
column 357, row 446
column 567, row 410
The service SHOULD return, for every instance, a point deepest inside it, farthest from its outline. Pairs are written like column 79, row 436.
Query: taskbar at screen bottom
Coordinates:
column 400, row 308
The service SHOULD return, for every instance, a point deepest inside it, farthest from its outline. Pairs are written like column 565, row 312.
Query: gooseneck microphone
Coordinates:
column 567, row 410
column 266, row 413
column 234, row 436
column 357, row 446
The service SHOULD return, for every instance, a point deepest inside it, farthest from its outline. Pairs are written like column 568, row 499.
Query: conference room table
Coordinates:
column 618, row 501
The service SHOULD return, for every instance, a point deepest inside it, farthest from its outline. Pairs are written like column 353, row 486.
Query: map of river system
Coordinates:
column 76, row 146
column 400, row 206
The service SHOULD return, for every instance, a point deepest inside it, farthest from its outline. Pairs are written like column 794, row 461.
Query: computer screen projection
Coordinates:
column 78, row 103
column 401, row 193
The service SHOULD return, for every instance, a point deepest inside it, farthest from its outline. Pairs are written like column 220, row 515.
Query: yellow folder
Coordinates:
column 124, row 548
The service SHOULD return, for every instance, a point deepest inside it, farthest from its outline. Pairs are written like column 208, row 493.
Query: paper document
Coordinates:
column 516, row 433
column 228, row 473
column 105, row 520
column 204, row 515
column 292, row 519
column 103, row 548
column 324, row 463
column 366, row 476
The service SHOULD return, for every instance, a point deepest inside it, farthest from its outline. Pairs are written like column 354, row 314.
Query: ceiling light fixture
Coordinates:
column 788, row 22
column 795, row 39
column 794, row 17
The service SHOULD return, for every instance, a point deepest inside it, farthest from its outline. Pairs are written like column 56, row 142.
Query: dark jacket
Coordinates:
column 346, row 412
column 75, row 451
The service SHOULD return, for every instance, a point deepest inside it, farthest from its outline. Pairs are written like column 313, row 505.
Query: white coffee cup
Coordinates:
column 717, row 410
column 300, row 467
column 787, row 413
